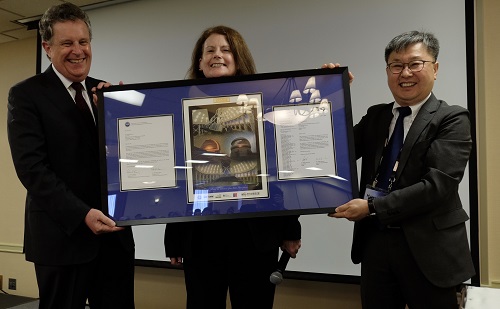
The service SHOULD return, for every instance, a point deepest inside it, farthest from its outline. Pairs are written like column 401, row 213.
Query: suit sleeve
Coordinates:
column 433, row 171
column 29, row 148
column 292, row 228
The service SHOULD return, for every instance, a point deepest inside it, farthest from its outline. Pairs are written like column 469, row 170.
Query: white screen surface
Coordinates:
column 152, row 40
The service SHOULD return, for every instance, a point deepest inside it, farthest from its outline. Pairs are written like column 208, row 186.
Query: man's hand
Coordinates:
column 336, row 65
column 354, row 210
column 292, row 247
column 98, row 223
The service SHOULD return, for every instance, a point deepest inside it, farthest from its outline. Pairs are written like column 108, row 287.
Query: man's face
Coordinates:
column 407, row 87
column 70, row 50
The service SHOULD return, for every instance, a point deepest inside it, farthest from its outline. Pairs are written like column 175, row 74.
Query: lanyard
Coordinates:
column 392, row 177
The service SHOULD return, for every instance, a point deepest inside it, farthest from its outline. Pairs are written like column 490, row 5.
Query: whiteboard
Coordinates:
column 152, row 40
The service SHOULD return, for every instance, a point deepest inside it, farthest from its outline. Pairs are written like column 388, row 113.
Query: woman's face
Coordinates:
column 217, row 57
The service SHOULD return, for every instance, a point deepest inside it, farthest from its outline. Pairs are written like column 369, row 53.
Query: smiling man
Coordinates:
column 69, row 49
column 78, row 252
column 411, row 73
column 410, row 235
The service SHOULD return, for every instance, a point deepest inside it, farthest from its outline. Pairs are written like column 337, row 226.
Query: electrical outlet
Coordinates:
column 12, row 284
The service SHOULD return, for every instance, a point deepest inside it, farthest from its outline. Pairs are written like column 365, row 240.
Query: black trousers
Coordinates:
column 391, row 279
column 107, row 282
column 229, row 263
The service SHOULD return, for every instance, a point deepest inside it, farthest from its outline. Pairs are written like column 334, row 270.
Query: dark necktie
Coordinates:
column 82, row 105
column 391, row 151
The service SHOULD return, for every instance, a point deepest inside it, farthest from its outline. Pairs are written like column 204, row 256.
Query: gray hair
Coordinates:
column 61, row 13
column 402, row 41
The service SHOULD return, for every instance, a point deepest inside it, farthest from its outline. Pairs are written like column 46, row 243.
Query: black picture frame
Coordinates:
column 258, row 145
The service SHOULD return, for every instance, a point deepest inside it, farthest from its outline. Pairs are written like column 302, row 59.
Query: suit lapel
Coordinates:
column 382, row 133
column 422, row 120
column 59, row 96
column 89, row 83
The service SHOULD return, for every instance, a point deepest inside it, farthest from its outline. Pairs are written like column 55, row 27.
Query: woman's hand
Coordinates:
column 176, row 261
column 292, row 247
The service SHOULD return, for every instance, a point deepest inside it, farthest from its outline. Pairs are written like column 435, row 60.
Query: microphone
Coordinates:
column 277, row 276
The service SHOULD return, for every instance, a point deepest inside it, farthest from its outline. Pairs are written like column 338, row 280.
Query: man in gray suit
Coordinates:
column 409, row 233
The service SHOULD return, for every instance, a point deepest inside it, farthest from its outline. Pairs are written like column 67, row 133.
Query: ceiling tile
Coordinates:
column 5, row 39
column 21, row 33
column 12, row 10
column 27, row 8
column 5, row 21
column 87, row 2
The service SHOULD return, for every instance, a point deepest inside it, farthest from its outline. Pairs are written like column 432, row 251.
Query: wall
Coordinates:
column 488, row 114
column 17, row 62
column 156, row 288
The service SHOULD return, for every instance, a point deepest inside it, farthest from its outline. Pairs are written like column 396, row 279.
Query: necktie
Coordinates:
column 391, row 151
column 81, row 104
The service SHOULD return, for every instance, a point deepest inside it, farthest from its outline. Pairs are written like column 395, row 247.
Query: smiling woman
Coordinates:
column 252, row 245
column 217, row 58
column 220, row 51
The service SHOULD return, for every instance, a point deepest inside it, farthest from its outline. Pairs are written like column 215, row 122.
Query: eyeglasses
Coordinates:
column 413, row 66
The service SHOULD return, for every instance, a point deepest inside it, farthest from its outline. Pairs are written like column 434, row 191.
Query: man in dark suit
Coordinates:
column 78, row 252
column 409, row 234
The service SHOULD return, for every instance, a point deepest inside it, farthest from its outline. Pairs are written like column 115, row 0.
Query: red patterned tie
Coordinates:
column 82, row 104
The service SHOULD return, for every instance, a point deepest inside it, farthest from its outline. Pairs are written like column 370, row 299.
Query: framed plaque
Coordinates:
column 233, row 147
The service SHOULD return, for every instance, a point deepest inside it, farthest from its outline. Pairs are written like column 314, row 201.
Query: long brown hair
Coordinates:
column 241, row 53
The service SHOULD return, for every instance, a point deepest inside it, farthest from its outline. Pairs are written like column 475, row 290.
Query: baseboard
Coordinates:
column 495, row 284
column 11, row 248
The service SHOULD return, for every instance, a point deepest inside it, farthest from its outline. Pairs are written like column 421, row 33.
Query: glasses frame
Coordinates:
column 407, row 65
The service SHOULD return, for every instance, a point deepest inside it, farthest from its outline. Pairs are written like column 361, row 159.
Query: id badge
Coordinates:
column 373, row 192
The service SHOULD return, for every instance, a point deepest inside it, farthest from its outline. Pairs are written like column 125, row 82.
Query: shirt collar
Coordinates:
column 414, row 108
column 66, row 82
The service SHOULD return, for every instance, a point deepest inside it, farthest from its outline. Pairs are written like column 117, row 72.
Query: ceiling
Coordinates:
column 15, row 13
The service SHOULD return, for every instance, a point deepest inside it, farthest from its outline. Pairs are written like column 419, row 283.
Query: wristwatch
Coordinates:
column 371, row 206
